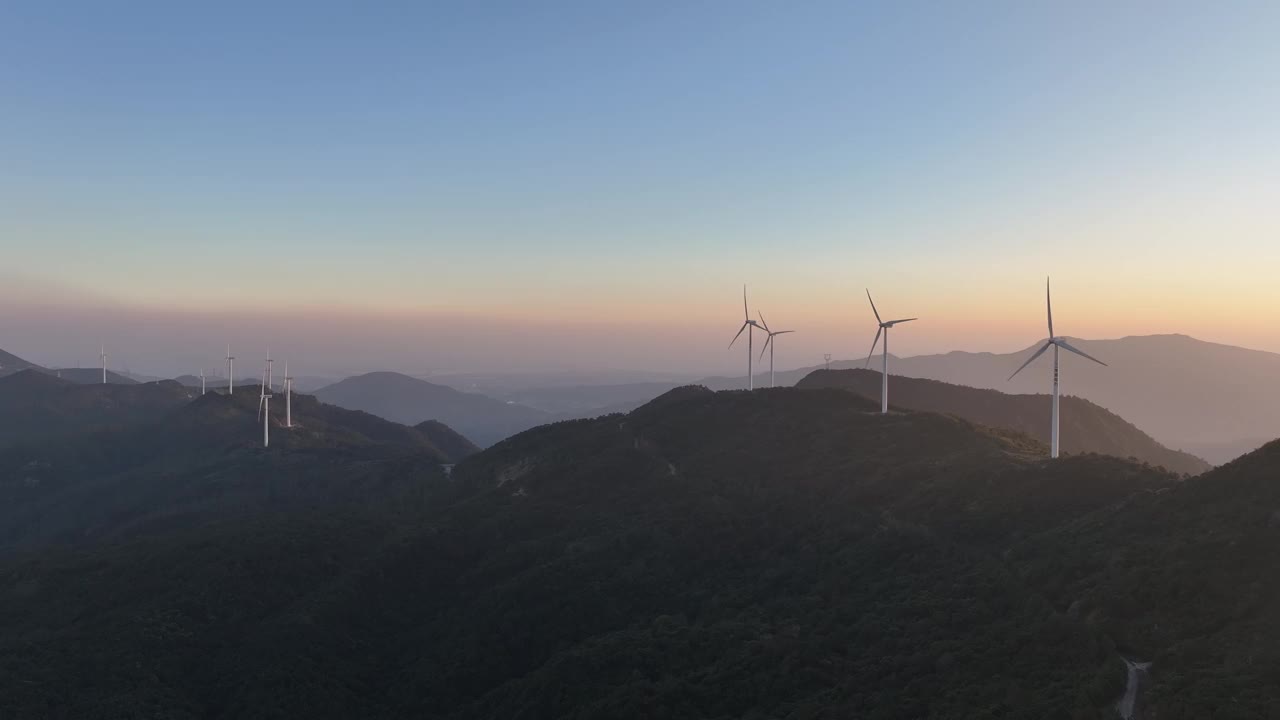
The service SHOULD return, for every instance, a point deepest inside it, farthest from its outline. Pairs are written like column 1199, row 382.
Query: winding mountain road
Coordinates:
column 1128, row 705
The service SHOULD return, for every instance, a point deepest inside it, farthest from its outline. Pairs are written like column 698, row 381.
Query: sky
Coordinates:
column 445, row 187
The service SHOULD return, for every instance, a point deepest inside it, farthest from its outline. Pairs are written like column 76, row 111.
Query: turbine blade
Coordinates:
column 764, row 348
column 735, row 337
column 895, row 322
column 873, row 345
column 1033, row 357
column 873, row 305
column 746, row 314
column 762, row 322
column 1063, row 344
column 784, row 332
column 1048, row 304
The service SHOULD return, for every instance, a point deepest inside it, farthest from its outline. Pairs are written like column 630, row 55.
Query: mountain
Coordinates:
column 409, row 400
column 213, row 382
column 1211, row 400
column 38, row 406
column 449, row 441
column 1216, row 401
column 1086, row 427
column 91, row 376
column 10, row 364
column 782, row 553
column 1183, row 577
column 204, row 461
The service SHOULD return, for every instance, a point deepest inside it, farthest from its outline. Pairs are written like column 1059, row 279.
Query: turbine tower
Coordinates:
column 769, row 345
column 231, row 372
column 266, row 421
column 1055, row 342
column 826, row 358
column 262, row 389
column 102, row 353
column 884, row 373
column 288, row 396
column 747, row 324
column 202, row 381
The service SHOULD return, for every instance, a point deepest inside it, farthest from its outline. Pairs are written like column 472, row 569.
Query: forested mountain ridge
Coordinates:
column 1185, row 577
column 204, row 461
column 1086, row 427
column 37, row 406
column 779, row 553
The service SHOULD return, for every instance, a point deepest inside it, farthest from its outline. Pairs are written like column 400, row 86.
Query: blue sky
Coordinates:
column 578, row 162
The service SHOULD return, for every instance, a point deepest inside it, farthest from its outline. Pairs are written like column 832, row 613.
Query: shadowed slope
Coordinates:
column 785, row 553
column 202, row 461
column 36, row 406
column 1184, row 577
column 10, row 364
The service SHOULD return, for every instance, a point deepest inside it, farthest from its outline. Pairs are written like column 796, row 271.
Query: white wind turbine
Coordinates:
column 102, row 353
column 1054, row 342
column 884, row 373
column 202, row 381
column 288, row 396
column 747, row 324
column 231, row 372
column 266, row 420
column 769, row 345
column 262, row 391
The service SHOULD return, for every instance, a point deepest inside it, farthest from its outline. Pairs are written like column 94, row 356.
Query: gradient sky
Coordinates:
column 453, row 186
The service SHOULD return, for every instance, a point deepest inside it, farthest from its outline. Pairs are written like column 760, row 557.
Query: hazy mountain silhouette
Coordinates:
column 1209, row 399
column 10, row 364
column 213, row 382
column 409, row 400
column 1214, row 401
column 1086, row 427
column 787, row 553
column 91, row 376
column 36, row 405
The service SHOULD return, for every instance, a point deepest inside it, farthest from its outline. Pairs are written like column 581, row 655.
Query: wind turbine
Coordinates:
column 288, row 396
column 884, row 373
column 102, row 353
column 1054, row 342
column 826, row 358
column 231, row 372
column 202, row 381
column 262, row 390
column 266, row 421
column 270, row 385
column 747, row 324
column 769, row 345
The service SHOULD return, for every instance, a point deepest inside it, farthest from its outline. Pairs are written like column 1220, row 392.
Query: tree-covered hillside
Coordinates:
column 712, row 555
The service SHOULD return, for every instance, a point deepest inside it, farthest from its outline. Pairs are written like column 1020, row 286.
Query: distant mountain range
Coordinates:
column 212, row 382
column 1086, row 427
column 1214, row 401
column 408, row 400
